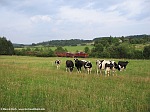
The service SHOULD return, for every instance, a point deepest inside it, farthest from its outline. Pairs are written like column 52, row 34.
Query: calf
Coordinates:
column 57, row 63
column 122, row 65
column 107, row 66
column 69, row 65
column 88, row 66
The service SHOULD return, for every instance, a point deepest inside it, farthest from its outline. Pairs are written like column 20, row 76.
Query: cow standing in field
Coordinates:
column 98, row 63
column 107, row 66
column 88, row 66
column 122, row 65
column 69, row 66
column 79, row 64
column 57, row 63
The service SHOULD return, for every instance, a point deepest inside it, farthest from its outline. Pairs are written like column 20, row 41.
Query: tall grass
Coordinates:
column 32, row 82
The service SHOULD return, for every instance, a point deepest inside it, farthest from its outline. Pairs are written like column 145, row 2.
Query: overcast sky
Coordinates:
column 33, row 21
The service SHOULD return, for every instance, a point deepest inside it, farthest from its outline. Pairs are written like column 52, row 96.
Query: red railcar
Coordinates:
column 68, row 54
column 81, row 55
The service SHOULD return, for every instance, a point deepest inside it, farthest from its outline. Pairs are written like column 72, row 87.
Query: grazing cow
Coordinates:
column 88, row 66
column 122, row 65
column 57, row 63
column 69, row 65
column 107, row 66
column 79, row 64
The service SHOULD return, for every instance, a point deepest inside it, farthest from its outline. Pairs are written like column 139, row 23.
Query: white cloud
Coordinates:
column 131, row 9
column 90, row 16
column 41, row 18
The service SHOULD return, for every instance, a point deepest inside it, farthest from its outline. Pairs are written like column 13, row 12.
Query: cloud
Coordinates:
column 132, row 9
column 41, row 18
column 30, row 21
column 90, row 16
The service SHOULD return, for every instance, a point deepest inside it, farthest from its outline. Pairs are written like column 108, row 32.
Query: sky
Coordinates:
column 34, row 21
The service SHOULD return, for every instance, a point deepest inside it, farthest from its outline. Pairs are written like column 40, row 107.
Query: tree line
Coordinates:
column 103, row 47
column 133, row 39
column 71, row 42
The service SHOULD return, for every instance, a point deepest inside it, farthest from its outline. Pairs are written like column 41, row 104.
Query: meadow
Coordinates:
column 69, row 48
column 34, row 82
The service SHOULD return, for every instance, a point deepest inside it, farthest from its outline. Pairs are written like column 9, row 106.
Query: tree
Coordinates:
column 6, row 47
column 146, row 52
column 97, row 50
column 122, row 51
column 86, row 50
column 60, row 49
column 105, row 54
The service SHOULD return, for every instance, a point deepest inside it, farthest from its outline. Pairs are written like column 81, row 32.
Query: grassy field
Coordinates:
column 69, row 48
column 32, row 82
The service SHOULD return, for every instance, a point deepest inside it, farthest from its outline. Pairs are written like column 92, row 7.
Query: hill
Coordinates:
column 72, row 42
column 133, row 39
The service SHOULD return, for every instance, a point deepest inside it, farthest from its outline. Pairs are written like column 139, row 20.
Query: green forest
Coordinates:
column 131, row 47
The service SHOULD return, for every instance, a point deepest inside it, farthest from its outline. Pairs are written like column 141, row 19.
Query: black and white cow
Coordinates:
column 69, row 65
column 107, row 66
column 122, row 65
column 57, row 63
column 88, row 66
column 84, row 62
column 79, row 64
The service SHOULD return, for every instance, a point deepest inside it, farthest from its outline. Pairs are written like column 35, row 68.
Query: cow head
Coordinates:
column 76, row 60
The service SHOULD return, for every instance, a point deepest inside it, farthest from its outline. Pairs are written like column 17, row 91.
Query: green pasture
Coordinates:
column 140, row 46
column 69, row 48
column 33, row 82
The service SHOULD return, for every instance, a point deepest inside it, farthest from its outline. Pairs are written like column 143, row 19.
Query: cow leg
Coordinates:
column 97, row 71
column 57, row 66
column 124, row 68
column 113, row 72
column 105, row 72
column 108, row 72
column 79, row 70
column 100, row 72
column 66, row 69
column 88, row 70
